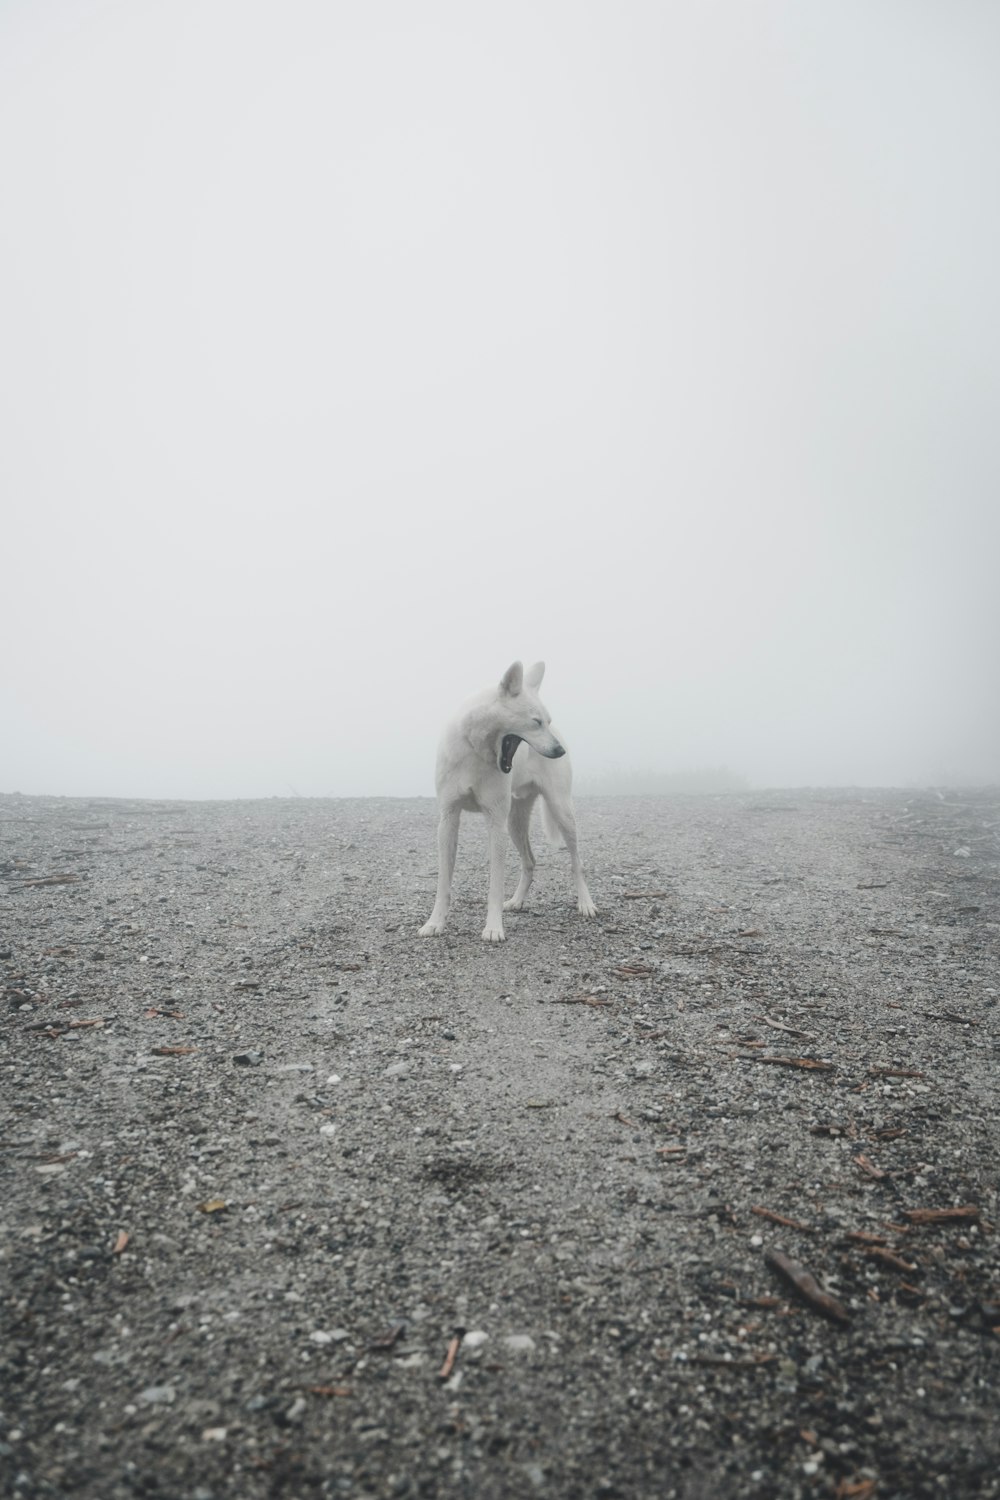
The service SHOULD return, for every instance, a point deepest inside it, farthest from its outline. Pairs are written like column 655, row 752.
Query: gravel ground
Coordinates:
column 268, row 1154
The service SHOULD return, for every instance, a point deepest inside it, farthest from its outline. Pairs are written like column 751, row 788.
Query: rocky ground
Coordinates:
column 296, row 1203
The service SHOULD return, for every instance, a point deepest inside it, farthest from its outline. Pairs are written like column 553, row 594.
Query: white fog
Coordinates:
column 351, row 351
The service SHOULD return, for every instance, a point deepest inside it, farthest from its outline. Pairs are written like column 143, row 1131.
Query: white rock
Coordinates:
column 396, row 1069
column 158, row 1395
column 519, row 1343
column 475, row 1339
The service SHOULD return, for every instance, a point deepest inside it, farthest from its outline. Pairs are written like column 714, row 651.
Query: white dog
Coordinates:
column 483, row 766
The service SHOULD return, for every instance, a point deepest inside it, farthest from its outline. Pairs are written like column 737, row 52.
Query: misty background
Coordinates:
column 349, row 351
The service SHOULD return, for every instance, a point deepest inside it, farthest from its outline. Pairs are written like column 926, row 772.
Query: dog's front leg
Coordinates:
column 447, row 849
column 493, row 931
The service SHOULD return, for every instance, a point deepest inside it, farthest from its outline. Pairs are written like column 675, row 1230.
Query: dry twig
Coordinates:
column 451, row 1355
column 768, row 1213
column 805, row 1283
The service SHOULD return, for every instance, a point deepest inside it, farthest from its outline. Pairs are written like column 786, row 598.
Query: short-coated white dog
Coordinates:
column 496, row 757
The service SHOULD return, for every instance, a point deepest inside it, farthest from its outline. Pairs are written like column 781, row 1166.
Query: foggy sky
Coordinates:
column 349, row 351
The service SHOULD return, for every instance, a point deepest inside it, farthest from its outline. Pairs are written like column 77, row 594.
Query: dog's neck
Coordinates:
column 482, row 734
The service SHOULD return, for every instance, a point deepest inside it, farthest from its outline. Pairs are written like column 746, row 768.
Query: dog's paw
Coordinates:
column 431, row 929
column 493, row 934
column 513, row 904
column 586, row 907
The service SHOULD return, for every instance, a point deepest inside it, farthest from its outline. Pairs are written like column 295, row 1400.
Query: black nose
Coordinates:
column 555, row 754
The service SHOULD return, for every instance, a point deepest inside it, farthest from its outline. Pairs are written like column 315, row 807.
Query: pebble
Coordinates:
column 519, row 1343
column 158, row 1395
column 296, row 1411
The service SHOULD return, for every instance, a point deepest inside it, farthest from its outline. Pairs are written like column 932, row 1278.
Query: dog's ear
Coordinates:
column 533, row 676
column 512, row 680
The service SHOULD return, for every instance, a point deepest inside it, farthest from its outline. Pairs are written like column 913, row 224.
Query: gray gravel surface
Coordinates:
column 268, row 1154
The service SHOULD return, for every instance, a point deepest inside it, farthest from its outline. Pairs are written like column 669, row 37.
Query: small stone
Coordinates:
column 296, row 1410
column 475, row 1339
column 248, row 1059
column 214, row 1435
column 519, row 1343
column 158, row 1395
column 396, row 1069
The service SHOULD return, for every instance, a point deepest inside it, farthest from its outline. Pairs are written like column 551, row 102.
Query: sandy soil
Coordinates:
column 268, row 1155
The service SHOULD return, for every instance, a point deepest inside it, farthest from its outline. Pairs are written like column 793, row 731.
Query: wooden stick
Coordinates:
column 768, row 1213
column 451, row 1356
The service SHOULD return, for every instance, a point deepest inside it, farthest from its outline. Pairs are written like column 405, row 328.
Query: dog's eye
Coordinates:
column 538, row 722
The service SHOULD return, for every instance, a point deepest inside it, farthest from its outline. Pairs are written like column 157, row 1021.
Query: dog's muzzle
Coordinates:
column 508, row 745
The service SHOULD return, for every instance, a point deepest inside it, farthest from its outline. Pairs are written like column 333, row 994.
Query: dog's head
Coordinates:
column 525, row 716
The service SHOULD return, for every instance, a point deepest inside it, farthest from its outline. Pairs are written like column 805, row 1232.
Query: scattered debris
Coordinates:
column 391, row 1336
column 769, row 1214
column 172, row 1051
column 582, row 1000
column 868, row 1166
column 805, row 1283
column 731, row 1362
column 782, row 1026
column 890, row 1258
column 451, row 1355
column 814, row 1064
column 213, row 1206
column 940, row 1215
column 120, row 1242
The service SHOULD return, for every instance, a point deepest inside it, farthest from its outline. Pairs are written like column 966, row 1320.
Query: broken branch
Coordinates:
column 769, row 1214
column 940, row 1215
column 807, row 1286
column 451, row 1355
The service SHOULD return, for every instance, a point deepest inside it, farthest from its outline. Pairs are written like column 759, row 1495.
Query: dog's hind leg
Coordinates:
column 493, row 931
column 518, row 824
column 562, row 813
column 447, row 850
